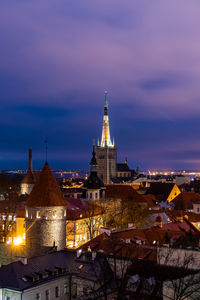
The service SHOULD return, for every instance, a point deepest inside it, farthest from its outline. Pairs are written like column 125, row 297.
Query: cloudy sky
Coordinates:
column 58, row 56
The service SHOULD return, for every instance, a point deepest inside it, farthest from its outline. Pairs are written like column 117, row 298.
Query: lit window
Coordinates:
column 65, row 213
column 10, row 218
column 3, row 217
column 26, row 213
column 14, row 218
column 66, row 288
column 56, row 291
column 38, row 214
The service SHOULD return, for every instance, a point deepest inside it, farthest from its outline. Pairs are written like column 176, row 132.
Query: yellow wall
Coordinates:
column 77, row 232
column 174, row 193
column 81, row 231
column 20, row 229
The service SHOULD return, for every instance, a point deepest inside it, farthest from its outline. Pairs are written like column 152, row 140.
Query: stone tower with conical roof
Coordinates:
column 28, row 181
column 106, row 152
column 45, row 215
column 94, row 185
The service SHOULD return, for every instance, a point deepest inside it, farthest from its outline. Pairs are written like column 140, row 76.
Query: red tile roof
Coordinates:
column 29, row 178
column 136, row 237
column 46, row 191
column 123, row 191
column 185, row 200
column 108, row 245
column 79, row 209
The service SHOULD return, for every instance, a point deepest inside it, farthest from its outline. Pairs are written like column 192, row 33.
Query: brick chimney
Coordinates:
column 30, row 160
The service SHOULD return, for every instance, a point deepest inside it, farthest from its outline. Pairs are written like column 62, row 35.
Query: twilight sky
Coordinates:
column 58, row 56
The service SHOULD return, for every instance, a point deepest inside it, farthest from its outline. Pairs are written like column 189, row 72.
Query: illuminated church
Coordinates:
column 108, row 169
column 106, row 152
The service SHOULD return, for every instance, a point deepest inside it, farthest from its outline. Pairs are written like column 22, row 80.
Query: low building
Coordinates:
column 84, row 221
column 123, row 170
column 60, row 275
column 164, row 192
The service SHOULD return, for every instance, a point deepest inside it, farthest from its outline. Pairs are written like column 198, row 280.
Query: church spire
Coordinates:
column 105, row 139
column 93, row 162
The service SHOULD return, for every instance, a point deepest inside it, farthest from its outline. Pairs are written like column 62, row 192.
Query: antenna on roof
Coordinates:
column 46, row 148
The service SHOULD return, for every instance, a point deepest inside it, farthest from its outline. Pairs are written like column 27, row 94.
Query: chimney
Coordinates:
column 30, row 160
column 22, row 259
column 78, row 253
column 94, row 254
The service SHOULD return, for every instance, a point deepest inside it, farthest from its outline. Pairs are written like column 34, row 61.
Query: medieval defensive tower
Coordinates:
column 45, row 215
column 106, row 152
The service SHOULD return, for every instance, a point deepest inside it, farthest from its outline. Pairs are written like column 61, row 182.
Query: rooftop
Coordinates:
column 46, row 191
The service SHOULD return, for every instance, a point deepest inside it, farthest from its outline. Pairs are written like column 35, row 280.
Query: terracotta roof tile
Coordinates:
column 123, row 191
column 185, row 200
column 29, row 177
column 46, row 191
column 161, row 190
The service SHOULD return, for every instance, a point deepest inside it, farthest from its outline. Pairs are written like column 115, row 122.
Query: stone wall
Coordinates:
column 106, row 163
column 45, row 227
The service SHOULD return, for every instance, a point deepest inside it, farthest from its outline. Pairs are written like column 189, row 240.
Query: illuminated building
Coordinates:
column 106, row 152
column 29, row 180
column 84, row 221
column 45, row 216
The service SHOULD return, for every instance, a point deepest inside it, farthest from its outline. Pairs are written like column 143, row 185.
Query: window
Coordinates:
column 37, row 296
column 7, row 298
column 38, row 214
column 96, row 195
column 10, row 218
column 47, row 297
column 56, row 291
column 66, row 288
column 90, row 195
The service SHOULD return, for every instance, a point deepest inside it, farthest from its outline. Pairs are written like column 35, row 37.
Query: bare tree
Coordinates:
column 185, row 282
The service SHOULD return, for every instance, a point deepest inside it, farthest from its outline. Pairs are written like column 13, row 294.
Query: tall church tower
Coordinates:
column 106, row 152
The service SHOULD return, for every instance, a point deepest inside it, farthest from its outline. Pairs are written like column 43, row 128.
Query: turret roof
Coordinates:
column 46, row 191
column 29, row 177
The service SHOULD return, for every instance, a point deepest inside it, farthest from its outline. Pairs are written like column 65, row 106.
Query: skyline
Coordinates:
column 57, row 59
